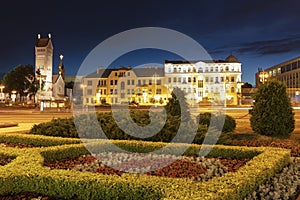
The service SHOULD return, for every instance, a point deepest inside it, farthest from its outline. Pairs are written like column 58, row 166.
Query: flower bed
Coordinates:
column 284, row 185
column 195, row 168
column 27, row 174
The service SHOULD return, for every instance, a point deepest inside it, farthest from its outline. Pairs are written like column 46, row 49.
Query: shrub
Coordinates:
column 217, row 121
column 272, row 113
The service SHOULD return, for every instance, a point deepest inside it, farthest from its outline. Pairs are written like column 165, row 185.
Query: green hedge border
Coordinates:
column 36, row 140
column 27, row 173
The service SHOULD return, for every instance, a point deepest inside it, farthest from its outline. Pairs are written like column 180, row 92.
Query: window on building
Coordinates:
column 41, row 67
column 226, row 68
column 169, row 80
column 128, row 73
column 104, row 91
column 206, row 69
column 232, row 79
column 158, row 82
column 206, row 79
column 92, row 100
column 211, row 69
column 139, row 82
column 217, row 69
column 217, row 79
column 111, row 82
column 128, row 82
column 122, row 85
column 116, row 82
column 90, row 82
column 232, row 90
column 200, row 70
column 128, row 91
column 179, row 79
column 200, row 83
column 132, row 91
column 111, row 91
column 122, row 95
column 174, row 79
column 86, row 100
column 158, row 91
column 144, row 82
column 211, row 79
column 116, row 91
column 116, row 73
column 194, row 79
column 222, row 79
column 189, row 79
column 150, row 82
column 89, row 92
column 116, row 100
column 132, row 82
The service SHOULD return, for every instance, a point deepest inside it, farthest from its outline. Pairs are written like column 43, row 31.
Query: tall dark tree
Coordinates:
column 21, row 79
column 177, row 105
column 272, row 112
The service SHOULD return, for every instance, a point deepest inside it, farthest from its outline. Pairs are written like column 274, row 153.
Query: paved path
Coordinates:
column 26, row 119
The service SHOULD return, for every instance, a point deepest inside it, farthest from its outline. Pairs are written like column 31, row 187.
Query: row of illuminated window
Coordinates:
column 129, row 82
column 291, row 80
column 201, row 69
column 182, row 80
column 289, row 67
column 219, row 79
column 129, row 91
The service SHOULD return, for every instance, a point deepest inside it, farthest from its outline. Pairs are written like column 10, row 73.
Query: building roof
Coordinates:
column 101, row 73
column 149, row 72
column 42, row 42
column 232, row 59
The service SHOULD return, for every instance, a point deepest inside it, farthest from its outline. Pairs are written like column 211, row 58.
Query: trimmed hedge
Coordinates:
column 37, row 140
column 88, row 126
column 26, row 173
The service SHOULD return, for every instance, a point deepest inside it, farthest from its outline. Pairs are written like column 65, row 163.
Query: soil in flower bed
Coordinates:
column 15, row 145
column 26, row 196
column 233, row 165
column 5, row 159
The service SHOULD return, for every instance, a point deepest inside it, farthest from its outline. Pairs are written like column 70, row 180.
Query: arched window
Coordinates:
column 122, row 85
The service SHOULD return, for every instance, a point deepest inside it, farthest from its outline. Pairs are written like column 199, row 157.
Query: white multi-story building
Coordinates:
column 206, row 80
column 202, row 81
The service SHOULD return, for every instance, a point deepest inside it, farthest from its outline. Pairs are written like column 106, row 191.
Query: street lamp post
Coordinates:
column 2, row 96
column 263, row 76
column 98, row 95
column 40, row 77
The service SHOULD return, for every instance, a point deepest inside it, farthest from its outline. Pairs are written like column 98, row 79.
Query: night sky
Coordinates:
column 259, row 33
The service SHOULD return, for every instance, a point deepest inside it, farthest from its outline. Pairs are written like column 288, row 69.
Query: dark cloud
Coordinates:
column 263, row 47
